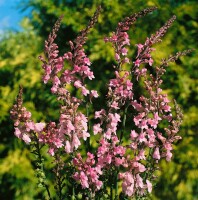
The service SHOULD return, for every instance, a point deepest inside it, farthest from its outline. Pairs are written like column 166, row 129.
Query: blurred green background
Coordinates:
column 19, row 51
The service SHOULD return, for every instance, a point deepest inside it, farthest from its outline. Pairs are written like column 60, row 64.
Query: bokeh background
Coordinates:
column 20, row 46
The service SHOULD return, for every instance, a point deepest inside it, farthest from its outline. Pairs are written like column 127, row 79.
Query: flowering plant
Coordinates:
column 133, row 131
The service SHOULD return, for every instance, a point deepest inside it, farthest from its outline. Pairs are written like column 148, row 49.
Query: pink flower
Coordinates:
column 85, row 91
column 17, row 132
column 115, row 105
column 97, row 129
column 124, row 51
column 149, row 186
column 139, row 181
column 156, row 154
column 51, row 151
column 133, row 134
column 39, row 127
column 75, row 142
column 168, row 156
column 137, row 62
column 94, row 93
column 68, row 147
column 26, row 138
column 84, row 180
column 78, row 84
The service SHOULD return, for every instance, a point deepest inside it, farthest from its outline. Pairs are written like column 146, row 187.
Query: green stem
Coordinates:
column 38, row 153
column 116, row 186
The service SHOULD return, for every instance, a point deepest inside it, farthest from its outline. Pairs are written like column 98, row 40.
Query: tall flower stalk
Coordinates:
column 135, row 131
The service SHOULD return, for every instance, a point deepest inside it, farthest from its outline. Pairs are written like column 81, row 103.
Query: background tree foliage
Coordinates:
column 19, row 65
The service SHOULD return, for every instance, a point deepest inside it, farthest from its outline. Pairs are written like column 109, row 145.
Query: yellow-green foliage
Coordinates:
column 19, row 65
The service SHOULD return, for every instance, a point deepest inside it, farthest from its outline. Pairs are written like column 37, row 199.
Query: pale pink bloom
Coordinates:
column 114, row 38
column 133, row 145
column 119, row 161
column 108, row 159
column 58, row 143
column 117, row 57
column 133, row 134
column 68, row 147
column 100, row 114
column 85, row 91
column 90, row 75
column 159, row 135
column 39, row 127
column 26, row 138
column 97, row 129
column 129, row 85
column 70, row 126
column 94, row 93
column 156, row 154
column 130, row 190
column 141, row 138
column 78, row 84
column 126, row 60
column 51, row 151
column 166, row 108
column 168, row 156
column 87, row 61
column 85, row 135
column 84, row 180
column 17, row 132
column 150, row 61
column 98, row 184
column 149, row 186
column 129, row 178
column 137, row 119
column 137, row 62
column 29, row 126
column 139, row 181
column 124, row 51
column 141, row 155
column 143, row 124
column 140, row 46
column 141, row 167
column 120, row 150
column 75, row 142
column 115, row 105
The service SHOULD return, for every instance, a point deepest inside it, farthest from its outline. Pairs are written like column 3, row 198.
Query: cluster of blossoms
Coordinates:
column 134, row 161
column 87, row 173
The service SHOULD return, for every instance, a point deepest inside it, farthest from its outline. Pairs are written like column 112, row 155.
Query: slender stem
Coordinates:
column 87, row 114
column 40, row 161
column 123, row 123
column 111, row 192
column 116, row 185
